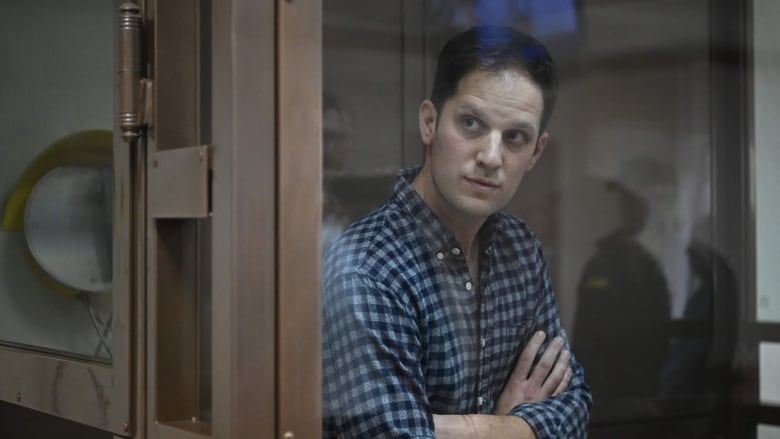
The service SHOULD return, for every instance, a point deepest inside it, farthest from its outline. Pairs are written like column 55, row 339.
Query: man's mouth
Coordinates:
column 483, row 184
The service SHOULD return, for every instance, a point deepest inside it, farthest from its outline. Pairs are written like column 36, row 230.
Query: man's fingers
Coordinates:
column 546, row 362
column 549, row 377
column 557, row 378
column 564, row 384
column 526, row 360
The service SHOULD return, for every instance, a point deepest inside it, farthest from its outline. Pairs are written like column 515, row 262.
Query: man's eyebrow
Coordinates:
column 468, row 106
column 524, row 125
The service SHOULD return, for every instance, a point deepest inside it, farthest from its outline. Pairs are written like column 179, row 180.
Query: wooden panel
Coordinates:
column 243, row 130
column 300, row 199
column 175, row 73
column 174, row 291
column 172, row 244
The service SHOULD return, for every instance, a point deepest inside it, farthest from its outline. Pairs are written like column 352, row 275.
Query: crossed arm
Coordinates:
column 373, row 376
column 527, row 383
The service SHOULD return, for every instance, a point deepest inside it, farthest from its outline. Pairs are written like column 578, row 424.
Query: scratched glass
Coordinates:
column 56, row 177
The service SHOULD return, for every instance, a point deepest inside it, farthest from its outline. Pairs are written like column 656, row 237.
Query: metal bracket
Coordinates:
column 179, row 183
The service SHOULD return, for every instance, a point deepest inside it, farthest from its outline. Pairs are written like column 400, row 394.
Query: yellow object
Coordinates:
column 597, row 283
column 86, row 148
column 83, row 148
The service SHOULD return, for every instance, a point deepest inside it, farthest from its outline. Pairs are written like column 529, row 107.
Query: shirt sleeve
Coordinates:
column 372, row 378
column 566, row 415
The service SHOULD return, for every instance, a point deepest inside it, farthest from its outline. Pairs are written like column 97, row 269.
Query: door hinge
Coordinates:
column 134, row 91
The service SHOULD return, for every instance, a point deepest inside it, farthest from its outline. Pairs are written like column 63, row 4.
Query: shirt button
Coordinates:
column 483, row 342
column 468, row 285
column 440, row 256
column 480, row 401
column 456, row 251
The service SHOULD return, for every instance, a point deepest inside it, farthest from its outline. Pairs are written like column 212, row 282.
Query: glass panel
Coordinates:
column 766, row 106
column 768, row 432
column 56, row 176
column 620, row 198
column 769, row 373
column 362, row 149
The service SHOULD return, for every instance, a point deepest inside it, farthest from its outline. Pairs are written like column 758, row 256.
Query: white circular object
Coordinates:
column 68, row 226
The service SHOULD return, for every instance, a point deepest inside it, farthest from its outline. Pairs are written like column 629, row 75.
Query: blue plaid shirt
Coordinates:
column 407, row 335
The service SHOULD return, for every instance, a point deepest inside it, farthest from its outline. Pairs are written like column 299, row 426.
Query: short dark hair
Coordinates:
column 494, row 49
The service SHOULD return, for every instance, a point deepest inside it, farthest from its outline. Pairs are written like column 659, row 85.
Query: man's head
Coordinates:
column 495, row 49
column 483, row 128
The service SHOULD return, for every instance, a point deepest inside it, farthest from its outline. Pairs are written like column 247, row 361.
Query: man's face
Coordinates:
column 486, row 138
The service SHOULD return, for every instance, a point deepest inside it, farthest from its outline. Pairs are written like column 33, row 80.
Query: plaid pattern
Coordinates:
column 405, row 335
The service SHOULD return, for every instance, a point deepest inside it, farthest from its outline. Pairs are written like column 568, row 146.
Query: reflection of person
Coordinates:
column 334, row 152
column 699, row 363
column 623, row 286
column 335, row 130
column 437, row 305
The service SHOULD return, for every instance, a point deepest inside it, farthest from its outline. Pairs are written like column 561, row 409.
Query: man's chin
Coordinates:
column 478, row 209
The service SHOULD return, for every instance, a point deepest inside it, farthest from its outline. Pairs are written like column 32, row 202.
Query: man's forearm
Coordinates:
column 481, row 427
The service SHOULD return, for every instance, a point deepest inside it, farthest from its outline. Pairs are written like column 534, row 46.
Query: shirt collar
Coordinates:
column 437, row 236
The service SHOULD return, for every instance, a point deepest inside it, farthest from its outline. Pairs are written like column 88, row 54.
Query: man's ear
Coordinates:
column 540, row 144
column 427, row 118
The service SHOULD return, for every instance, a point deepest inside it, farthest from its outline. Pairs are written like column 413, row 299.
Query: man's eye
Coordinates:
column 515, row 137
column 470, row 123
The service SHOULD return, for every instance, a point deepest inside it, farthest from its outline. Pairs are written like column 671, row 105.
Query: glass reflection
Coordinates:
column 658, row 269
column 624, row 274
column 621, row 199
column 335, row 136
column 56, row 177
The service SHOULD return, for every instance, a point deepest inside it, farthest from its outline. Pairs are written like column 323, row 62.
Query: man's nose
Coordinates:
column 489, row 154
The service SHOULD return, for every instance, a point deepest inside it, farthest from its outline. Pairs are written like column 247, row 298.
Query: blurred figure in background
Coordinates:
column 621, row 326
column 704, row 340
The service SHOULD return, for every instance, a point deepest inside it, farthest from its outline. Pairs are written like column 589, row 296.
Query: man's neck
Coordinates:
column 464, row 229
column 467, row 235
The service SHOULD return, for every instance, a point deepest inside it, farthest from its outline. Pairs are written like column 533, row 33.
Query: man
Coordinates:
column 437, row 305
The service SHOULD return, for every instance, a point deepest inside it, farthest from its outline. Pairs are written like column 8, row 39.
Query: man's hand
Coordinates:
column 550, row 377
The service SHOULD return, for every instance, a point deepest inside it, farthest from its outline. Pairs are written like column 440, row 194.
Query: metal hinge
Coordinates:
column 134, row 91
